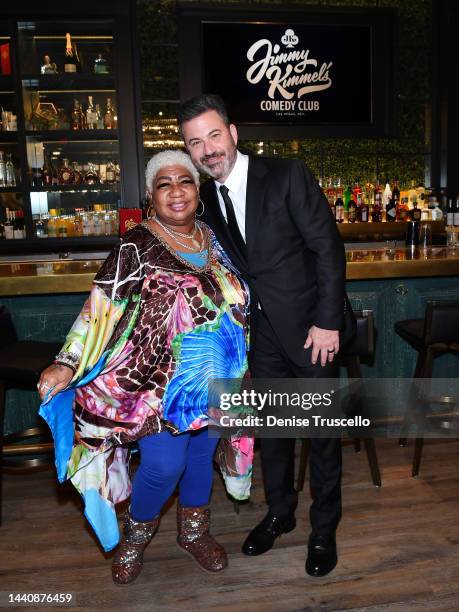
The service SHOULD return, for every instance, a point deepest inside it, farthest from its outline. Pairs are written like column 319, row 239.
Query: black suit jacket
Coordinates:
column 295, row 261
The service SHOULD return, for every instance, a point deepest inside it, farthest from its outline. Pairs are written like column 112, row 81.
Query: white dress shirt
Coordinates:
column 237, row 187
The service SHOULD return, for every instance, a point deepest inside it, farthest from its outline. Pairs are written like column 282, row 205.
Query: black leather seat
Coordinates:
column 437, row 333
column 362, row 345
column 21, row 362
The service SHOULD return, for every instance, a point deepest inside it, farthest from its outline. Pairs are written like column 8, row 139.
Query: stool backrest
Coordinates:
column 7, row 331
column 441, row 323
column 363, row 343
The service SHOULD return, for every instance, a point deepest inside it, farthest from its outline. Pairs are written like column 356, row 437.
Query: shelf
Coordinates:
column 78, row 188
column 8, row 136
column 73, row 135
column 15, row 189
column 66, row 81
column 46, row 245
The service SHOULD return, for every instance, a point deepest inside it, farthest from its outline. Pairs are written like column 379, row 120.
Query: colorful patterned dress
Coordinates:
column 153, row 331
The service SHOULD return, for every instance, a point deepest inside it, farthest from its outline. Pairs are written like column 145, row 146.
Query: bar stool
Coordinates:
column 21, row 363
column 436, row 334
column 362, row 345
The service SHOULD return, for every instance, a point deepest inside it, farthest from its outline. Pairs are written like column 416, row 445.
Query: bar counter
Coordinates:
column 52, row 277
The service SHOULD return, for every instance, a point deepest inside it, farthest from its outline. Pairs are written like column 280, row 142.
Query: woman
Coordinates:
column 167, row 311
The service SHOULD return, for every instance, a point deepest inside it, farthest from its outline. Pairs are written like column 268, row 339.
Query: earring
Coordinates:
column 151, row 213
column 203, row 208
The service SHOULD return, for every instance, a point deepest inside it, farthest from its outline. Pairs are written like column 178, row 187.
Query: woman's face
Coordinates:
column 174, row 195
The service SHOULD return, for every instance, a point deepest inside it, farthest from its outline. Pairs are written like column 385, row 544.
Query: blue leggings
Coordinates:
column 166, row 460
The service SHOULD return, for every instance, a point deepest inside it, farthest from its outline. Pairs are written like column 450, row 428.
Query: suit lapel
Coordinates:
column 214, row 218
column 256, row 187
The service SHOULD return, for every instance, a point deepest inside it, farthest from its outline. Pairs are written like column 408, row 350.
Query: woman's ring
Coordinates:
column 330, row 350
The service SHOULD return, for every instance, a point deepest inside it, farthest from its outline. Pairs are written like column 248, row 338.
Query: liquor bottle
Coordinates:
column 47, row 171
column 3, row 182
column 391, row 208
column 77, row 177
column 101, row 65
column 110, row 172
column 347, row 195
column 8, row 226
column 91, row 177
column 77, row 116
column 396, row 190
column 48, row 66
column 330, row 193
column 356, row 191
column 117, row 172
column 352, row 218
column 91, row 116
column 436, row 213
column 65, row 174
column 339, row 188
column 386, row 197
column 403, row 210
column 99, row 118
column 39, row 227
column 339, row 210
column 10, row 171
column 450, row 212
column 19, row 225
column 376, row 213
column 109, row 116
column 415, row 212
column 71, row 61
column 54, row 172
column 456, row 213
column 365, row 209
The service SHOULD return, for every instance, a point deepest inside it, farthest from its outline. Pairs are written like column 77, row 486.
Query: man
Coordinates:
column 273, row 221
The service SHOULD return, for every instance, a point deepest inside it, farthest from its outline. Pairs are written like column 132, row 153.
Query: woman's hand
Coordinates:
column 54, row 379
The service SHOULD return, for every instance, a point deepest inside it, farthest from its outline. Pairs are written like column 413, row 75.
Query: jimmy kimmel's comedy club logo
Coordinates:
column 290, row 74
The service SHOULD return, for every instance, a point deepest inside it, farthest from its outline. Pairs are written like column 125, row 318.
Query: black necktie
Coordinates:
column 232, row 223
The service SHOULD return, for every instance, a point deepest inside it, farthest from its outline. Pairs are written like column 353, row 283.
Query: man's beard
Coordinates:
column 222, row 168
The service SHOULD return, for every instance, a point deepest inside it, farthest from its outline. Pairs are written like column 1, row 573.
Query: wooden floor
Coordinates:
column 398, row 546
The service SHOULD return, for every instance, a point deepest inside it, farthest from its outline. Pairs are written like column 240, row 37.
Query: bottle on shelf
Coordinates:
column 65, row 173
column 91, row 176
column 47, row 173
column 48, row 67
column 117, row 172
column 403, row 210
column 110, row 172
column 8, row 225
column 347, row 195
column 10, row 171
column 54, row 172
column 18, row 225
column 37, row 177
column 415, row 212
column 77, row 116
column 39, row 224
column 456, row 213
column 3, row 181
column 330, row 193
column 101, row 65
column 77, row 177
column 396, row 191
column 109, row 116
column 436, row 214
column 357, row 192
column 52, row 223
column 352, row 217
column 386, row 198
column 2, row 230
column 99, row 118
column 450, row 212
column 91, row 115
column 339, row 210
column 71, row 61
column 365, row 208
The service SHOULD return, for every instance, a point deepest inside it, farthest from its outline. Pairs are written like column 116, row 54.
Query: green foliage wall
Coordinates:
column 406, row 156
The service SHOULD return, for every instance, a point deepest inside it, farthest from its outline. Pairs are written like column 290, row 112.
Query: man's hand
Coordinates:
column 324, row 342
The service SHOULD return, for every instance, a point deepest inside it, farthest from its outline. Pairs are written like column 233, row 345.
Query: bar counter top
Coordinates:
column 64, row 276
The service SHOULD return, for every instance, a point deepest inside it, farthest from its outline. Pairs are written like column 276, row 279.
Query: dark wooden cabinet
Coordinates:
column 38, row 132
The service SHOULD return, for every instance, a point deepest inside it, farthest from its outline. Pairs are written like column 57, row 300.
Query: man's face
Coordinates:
column 211, row 144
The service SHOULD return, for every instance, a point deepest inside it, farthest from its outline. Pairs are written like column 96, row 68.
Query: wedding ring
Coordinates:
column 330, row 350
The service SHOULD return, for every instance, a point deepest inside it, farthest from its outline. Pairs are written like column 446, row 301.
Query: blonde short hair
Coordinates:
column 171, row 157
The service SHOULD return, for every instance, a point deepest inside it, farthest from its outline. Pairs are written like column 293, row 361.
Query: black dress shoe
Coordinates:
column 261, row 538
column 322, row 556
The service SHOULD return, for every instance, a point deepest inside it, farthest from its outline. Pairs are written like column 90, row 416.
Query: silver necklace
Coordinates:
column 197, row 244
